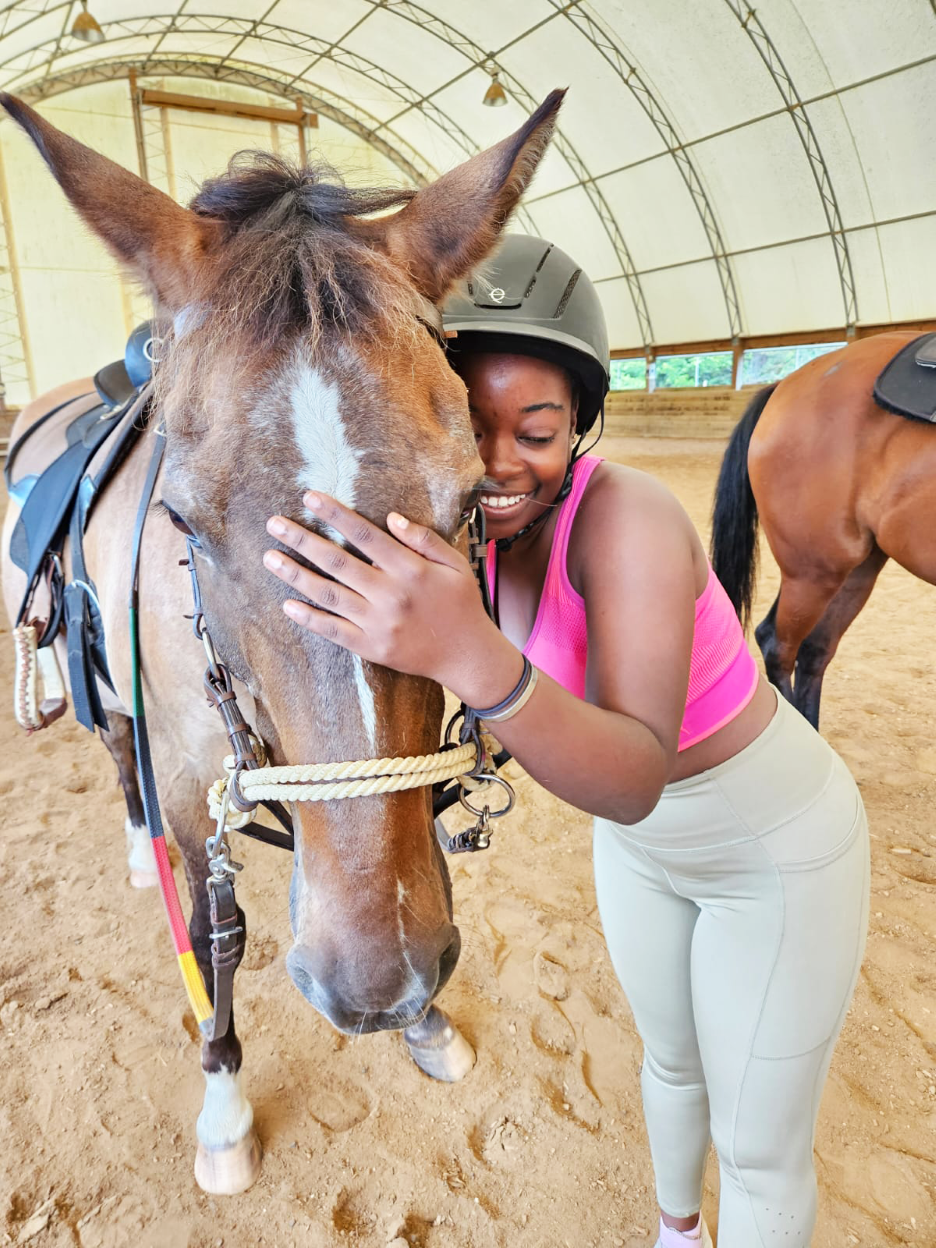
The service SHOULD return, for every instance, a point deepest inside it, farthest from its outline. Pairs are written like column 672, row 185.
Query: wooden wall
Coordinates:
column 709, row 413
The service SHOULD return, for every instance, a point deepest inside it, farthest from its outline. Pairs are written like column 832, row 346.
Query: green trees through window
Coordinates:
column 759, row 366
column 763, row 365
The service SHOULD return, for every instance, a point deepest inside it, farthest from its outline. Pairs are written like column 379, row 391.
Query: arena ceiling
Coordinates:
column 722, row 172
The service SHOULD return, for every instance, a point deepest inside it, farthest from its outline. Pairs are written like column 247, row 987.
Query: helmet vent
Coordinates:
column 567, row 293
column 543, row 258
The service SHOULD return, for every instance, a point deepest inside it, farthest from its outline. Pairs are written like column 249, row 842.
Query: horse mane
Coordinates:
column 290, row 257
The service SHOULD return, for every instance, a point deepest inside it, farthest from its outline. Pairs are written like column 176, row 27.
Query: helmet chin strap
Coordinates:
column 504, row 543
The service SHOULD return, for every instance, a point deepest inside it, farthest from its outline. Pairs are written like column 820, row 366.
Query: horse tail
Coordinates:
column 734, row 514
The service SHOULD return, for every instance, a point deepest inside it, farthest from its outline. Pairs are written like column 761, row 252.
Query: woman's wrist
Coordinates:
column 486, row 670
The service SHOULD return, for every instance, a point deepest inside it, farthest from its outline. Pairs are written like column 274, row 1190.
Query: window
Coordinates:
column 762, row 365
column 710, row 369
column 629, row 374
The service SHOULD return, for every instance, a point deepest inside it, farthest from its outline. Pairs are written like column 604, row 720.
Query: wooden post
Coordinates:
column 736, row 353
column 138, row 125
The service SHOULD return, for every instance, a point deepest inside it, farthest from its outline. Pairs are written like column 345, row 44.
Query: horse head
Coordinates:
column 301, row 355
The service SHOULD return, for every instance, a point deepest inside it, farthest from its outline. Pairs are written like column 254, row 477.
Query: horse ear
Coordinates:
column 450, row 226
column 144, row 228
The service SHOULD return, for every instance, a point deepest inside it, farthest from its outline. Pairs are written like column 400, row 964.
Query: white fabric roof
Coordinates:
column 720, row 171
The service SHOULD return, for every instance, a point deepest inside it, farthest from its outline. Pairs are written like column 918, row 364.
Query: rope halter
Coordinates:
column 321, row 782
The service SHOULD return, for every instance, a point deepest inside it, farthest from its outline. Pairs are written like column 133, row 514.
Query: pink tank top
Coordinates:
column 722, row 674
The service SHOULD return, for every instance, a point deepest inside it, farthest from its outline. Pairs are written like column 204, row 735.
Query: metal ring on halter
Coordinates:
column 237, row 799
column 202, row 629
column 491, row 814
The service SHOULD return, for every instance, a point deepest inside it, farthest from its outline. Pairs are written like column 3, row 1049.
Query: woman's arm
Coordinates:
column 416, row 608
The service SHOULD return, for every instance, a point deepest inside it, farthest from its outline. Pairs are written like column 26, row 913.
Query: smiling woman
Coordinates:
column 720, row 814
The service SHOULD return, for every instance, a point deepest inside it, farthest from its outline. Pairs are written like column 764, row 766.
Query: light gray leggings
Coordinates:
column 735, row 916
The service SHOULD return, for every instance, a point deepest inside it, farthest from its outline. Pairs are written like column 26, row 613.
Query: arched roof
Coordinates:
column 721, row 171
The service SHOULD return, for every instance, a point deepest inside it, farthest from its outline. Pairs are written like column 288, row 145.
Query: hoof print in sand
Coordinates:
column 550, row 977
column 551, row 1031
column 339, row 1107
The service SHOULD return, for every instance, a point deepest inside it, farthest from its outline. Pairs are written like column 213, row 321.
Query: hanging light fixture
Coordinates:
column 85, row 27
column 495, row 96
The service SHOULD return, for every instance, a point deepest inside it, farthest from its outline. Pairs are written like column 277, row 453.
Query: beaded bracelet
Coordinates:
column 515, row 701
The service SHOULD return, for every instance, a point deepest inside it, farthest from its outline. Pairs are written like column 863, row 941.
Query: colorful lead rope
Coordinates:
column 191, row 975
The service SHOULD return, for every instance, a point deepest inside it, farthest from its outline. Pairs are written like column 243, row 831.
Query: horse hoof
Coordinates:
column 227, row 1171
column 438, row 1048
column 144, row 879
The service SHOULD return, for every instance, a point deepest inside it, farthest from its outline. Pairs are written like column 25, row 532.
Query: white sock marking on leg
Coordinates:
column 140, row 856
column 226, row 1114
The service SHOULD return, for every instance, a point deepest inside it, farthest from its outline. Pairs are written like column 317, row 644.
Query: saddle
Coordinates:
column 907, row 384
column 56, row 471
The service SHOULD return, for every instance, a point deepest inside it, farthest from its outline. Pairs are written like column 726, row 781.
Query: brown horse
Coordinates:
column 299, row 359
column 841, row 486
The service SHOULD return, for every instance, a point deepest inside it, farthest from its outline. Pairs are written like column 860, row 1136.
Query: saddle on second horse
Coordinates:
column 907, row 385
column 55, row 472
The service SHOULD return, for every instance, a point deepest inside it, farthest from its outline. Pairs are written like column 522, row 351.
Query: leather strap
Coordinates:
column 227, row 946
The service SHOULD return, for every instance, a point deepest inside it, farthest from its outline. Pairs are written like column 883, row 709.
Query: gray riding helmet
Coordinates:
column 535, row 300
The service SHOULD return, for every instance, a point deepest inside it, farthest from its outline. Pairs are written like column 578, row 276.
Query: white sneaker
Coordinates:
column 704, row 1242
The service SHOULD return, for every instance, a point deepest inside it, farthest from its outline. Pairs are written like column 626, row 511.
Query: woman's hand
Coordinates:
column 415, row 607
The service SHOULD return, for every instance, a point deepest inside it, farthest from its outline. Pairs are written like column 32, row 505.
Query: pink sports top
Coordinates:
column 722, row 674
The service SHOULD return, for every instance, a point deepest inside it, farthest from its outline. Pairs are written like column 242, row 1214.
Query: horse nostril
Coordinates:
column 298, row 967
column 448, row 960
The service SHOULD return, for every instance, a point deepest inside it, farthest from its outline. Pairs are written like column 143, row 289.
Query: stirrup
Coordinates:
column 29, row 661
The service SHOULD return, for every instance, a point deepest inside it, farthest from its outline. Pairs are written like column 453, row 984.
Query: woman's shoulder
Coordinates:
column 636, row 511
column 618, row 492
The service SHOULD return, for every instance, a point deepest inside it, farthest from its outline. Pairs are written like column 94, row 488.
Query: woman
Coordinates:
column 731, row 850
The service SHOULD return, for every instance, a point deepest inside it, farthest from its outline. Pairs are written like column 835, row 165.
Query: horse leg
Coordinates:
column 140, row 860
column 818, row 649
column 438, row 1048
column 228, row 1156
column 796, row 611
column 766, row 637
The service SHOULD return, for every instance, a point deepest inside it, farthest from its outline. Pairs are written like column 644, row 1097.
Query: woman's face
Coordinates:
column 523, row 413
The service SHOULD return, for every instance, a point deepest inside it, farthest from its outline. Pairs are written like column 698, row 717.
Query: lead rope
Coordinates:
column 191, row 975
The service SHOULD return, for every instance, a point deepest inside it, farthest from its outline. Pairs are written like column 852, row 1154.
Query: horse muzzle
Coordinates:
column 364, row 999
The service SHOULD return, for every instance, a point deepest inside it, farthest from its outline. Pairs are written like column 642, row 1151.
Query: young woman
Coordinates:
column 731, row 850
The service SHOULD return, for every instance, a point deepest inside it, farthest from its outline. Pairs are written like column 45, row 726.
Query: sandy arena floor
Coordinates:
column 543, row 1145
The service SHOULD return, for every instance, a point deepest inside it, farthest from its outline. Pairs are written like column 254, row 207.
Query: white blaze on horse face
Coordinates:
column 366, row 699
column 226, row 1114
column 330, row 465
column 329, row 461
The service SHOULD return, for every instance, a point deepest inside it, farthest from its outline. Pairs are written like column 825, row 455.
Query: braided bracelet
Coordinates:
column 515, row 700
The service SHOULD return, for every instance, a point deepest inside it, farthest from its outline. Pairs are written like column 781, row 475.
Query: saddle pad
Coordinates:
column 907, row 387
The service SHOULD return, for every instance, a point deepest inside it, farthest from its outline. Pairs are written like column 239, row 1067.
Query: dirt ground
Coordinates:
column 543, row 1145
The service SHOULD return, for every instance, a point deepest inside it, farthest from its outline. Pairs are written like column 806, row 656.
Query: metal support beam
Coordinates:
column 16, row 368
column 766, row 49
column 34, row 59
column 606, row 44
column 410, row 162
column 428, row 22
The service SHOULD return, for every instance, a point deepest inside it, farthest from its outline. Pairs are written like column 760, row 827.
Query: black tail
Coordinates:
column 734, row 515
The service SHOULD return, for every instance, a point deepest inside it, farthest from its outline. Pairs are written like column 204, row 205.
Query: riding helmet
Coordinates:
column 533, row 299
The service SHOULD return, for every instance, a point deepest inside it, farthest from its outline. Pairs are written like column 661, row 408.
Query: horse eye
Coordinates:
column 180, row 524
